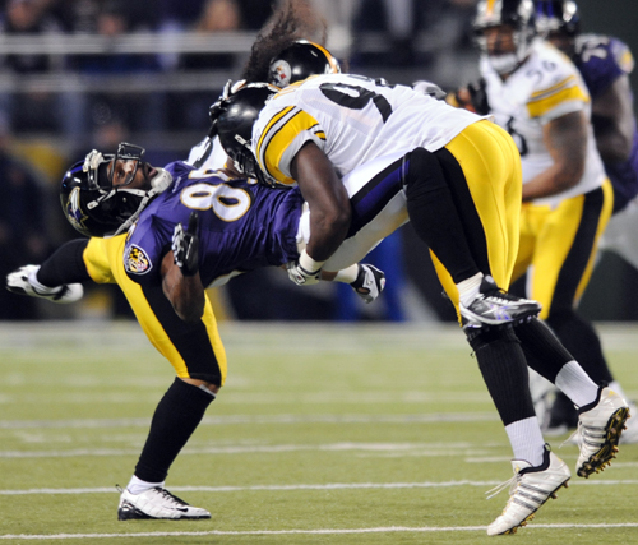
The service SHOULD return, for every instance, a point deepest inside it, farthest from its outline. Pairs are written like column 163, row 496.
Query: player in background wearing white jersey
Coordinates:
column 456, row 176
column 538, row 95
column 605, row 64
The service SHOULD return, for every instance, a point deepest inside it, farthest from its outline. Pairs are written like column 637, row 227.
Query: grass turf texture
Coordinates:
column 322, row 434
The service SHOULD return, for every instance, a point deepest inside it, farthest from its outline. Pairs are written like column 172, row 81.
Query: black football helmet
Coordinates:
column 91, row 204
column 233, row 116
column 519, row 14
column 560, row 16
column 299, row 61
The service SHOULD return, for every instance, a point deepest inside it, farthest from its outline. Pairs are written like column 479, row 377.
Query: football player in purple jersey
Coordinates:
column 195, row 350
column 239, row 226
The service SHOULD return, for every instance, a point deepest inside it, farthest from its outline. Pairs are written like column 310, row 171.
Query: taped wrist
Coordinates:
column 308, row 264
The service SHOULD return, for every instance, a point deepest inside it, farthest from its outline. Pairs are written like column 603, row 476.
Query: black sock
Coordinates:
column 545, row 354
column 504, row 369
column 65, row 266
column 434, row 215
column 580, row 338
column 175, row 419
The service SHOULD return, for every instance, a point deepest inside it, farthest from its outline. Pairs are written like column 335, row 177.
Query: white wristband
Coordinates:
column 308, row 264
column 348, row 275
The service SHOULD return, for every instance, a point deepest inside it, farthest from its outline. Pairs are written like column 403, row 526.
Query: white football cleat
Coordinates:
column 530, row 488
column 156, row 503
column 24, row 282
column 599, row 431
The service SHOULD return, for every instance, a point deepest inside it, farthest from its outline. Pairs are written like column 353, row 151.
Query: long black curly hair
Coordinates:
column 293, row 20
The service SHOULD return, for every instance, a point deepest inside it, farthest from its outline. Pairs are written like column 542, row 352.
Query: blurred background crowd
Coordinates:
column 78, row 74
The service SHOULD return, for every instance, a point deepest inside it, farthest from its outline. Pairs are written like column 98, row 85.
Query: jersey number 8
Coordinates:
column 228, row 203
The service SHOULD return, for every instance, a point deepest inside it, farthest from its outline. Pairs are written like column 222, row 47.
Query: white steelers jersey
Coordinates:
column 547, row 86
column 207, row 155
column 353, row 119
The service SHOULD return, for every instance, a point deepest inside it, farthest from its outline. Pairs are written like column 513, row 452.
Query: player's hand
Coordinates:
column 472, row 98
column 23, row 281
column 306, row 271
column 185, row 246
column 370, row 282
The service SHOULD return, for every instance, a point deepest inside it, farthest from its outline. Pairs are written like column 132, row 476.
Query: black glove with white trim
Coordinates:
column 185, row 246
column 370, row 282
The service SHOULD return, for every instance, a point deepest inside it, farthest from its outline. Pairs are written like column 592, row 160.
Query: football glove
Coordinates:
column 430, row 89
column 23, row 281
column 475, row 100
column 370, row 282
column 185, row 246
column 306, row 271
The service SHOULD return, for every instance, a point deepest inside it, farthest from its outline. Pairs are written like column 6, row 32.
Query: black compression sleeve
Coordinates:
column 65, row 266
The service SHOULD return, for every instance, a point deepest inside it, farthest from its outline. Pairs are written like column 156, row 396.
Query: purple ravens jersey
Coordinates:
column 242, row 225
column 601, row 60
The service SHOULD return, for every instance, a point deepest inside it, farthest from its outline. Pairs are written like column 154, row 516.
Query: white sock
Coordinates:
column 469, row 289
column 576, row 384
column 527, row 440
column 137, row 486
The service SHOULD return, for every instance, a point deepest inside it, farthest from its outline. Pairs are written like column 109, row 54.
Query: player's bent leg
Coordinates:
column 175, row 419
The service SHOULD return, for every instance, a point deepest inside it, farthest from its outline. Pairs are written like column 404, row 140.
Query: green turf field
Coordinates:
column 331, row 435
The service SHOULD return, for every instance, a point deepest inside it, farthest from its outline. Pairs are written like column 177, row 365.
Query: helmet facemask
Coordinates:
column 94, row 205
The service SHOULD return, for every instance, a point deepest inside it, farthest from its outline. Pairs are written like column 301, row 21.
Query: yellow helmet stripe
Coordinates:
column 331, row 60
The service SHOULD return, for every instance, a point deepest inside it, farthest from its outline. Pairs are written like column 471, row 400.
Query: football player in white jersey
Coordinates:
column 458, row 177
column 539, row 96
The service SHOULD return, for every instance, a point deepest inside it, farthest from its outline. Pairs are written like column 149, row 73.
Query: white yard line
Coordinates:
column 101, row 423
column 322, row 531
column 433, row 449
column 296, row 487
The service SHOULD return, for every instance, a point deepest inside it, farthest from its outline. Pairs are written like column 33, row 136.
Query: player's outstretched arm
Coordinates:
column 180, row 272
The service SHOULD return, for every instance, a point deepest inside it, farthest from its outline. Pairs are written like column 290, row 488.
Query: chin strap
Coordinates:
column 160, row 183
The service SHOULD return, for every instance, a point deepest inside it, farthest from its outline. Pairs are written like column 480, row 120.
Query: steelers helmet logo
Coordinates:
column 137, row 260
column 280, row 73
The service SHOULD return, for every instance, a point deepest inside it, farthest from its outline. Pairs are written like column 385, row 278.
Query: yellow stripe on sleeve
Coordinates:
column 543, row 101
column 276, row 144
column 266, row 132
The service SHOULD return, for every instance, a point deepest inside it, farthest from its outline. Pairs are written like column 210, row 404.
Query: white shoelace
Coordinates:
column 512, row 482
